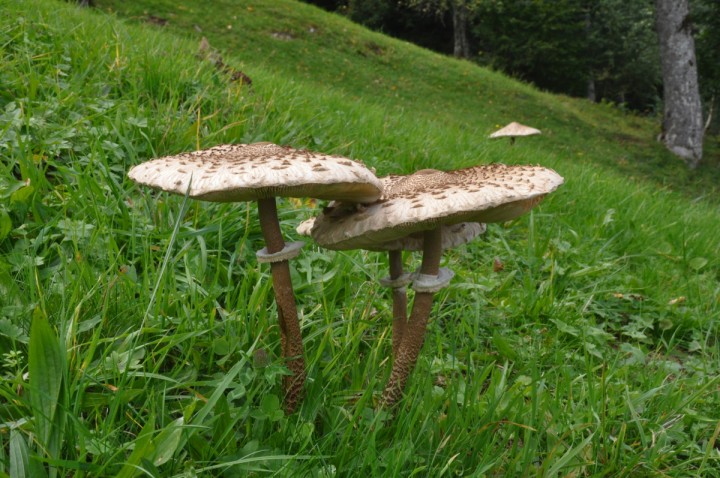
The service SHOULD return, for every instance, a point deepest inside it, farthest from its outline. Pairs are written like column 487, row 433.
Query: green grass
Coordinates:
column 144, row 320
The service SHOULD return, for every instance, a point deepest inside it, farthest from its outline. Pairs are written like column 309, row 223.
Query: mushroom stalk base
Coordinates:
column 290, row 334
column 414, row 333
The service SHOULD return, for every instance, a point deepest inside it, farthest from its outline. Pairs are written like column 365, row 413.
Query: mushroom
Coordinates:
column 398, row 280
column 452, row 236
column 423, row 202
column 513, row 130
column 260, row 172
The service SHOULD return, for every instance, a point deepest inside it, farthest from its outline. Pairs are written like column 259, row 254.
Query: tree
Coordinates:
column 682, row 129
column 622, row 53
column 706, row 21
column 460, row 10
column 599, row 49
column 541, row 41
column 461, row 44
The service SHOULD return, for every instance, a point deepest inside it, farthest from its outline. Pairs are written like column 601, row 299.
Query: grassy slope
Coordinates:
column 329, row 52
column 568, row 360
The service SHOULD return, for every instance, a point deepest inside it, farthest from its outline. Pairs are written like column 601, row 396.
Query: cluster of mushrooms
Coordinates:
column 426, row 211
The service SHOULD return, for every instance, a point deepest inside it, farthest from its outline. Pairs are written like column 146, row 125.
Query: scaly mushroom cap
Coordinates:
column 515, row 129
column 452, row 236
column 246, row 172
column 428, row 199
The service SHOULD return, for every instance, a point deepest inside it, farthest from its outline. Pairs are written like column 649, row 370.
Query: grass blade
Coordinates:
column 144, row 448
column 565, row 460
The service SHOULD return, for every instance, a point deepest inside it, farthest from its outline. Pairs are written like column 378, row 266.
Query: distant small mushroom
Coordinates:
column 423, row 202
column 260, row 172
column 514, row 130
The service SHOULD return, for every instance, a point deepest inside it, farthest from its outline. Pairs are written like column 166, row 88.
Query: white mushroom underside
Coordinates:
column 452, row 236
column 489, row 193
column 242, row 172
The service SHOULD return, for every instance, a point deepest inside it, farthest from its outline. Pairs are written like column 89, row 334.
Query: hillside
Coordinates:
column 592, row 351
column 307, row 45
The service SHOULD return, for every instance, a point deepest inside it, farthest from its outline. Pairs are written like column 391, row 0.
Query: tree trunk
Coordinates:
column 590, row 85
column 460, row 19
column 682, row 129
column 590, row 90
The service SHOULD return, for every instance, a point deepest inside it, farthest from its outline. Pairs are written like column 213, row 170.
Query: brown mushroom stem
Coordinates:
column 399, row 295
column 414, row 333
column 290, row 334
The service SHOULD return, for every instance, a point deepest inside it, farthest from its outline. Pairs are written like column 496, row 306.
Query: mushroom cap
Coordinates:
column 452, row 236
column 428, row 199
column 247, row 172
column 515, row 129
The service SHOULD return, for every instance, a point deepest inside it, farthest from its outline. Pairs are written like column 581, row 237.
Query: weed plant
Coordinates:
column 138, row 333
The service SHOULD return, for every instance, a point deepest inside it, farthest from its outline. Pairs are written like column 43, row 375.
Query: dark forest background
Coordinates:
column 605, row 50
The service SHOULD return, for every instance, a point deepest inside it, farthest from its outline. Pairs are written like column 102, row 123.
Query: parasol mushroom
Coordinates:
column 261, row 172
column 514, row 130
column 452, row 236
column 398, row 280
column 423, row 202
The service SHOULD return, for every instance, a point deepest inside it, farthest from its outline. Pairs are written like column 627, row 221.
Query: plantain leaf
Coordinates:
column 167, row 442
column 45, row 363
column 5, row 224
column 503, row 347
column 697, row 263
column 19, row 461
